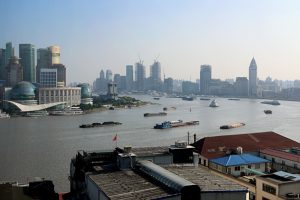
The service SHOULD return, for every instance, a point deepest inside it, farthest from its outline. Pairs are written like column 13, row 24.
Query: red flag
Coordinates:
column 115, row 138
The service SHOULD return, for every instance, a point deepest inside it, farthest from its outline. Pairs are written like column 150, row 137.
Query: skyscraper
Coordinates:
column 9, row 52
column 155, row 76
column 205, row 79
column 102, row 75
column 54, row 53
column 109, row 75
column 46, row 58
column 2, row 64
column 140, row 76
column 129, row 77
column 253, row 78
column 13, row 72
column 27, row 56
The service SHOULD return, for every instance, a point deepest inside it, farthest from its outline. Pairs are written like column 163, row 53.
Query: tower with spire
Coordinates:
column 253, row 78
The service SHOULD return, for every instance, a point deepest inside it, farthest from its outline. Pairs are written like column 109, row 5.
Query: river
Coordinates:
column 43, row 147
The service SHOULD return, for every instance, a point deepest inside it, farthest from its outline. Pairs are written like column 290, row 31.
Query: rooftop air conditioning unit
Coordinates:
column 181, row 144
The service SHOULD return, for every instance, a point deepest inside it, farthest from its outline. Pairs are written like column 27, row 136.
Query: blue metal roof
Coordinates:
column 239, row 159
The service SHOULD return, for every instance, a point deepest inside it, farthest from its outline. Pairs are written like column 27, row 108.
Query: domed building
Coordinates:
column 24, row 93
column 86, row 94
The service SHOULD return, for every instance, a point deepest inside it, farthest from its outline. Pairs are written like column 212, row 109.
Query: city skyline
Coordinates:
column 186, row 35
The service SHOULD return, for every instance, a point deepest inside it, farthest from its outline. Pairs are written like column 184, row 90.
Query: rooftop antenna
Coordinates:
column 156, row 59
column 140, row 60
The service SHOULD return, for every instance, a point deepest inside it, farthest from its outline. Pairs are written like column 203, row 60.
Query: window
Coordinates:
column 257, row 166
column 237, row 168
column 270, row 189
column 283, row 162
column 249, row 166
column 295, row 165
column 273, row 160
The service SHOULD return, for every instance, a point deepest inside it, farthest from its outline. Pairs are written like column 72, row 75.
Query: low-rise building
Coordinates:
column 128, row 174
column 70, row 95
column 286, row 160
column 278, row 186
column 219, row 146
column 239, row 164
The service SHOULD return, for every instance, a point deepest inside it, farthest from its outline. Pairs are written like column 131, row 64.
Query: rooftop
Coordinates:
column 150, row 151
column 128, row 184
column 281, row 177
column 282, row 154
column 217, row 146
column 205, row 179
column 239, row 159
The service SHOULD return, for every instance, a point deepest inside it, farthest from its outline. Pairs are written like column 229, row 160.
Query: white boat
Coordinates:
column 67, row 111
column 213, row 104
column 273, row 102
column 4, row 115
column 38, row 113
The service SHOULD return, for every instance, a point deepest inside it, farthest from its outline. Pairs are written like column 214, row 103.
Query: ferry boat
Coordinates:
column 3, row 115
column 233, row 99
column 171, row 108
column 213, row 104
column 268, row 111
column 236, row 125
column 93, row 125
column 273, row 102
column 67, row 111
column 37, row 113
column 156, row 98
column 155, row 114
column 174, row 124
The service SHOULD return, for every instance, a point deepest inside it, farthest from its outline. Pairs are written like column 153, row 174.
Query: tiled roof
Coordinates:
column 217, row 146
column 281, row 154
column 239, row 159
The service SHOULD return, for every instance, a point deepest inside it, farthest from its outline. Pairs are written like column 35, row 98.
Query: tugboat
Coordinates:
column 268, row 111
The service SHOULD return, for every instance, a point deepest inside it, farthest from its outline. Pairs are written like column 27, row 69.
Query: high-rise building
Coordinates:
column 48, row 58
column 140, row 76
column 9, row 52
column 253, row 78
column 61, row 74
column 109, row 75
column 102, row 75
column 2, row 64
column 205, row 79
column 129, row 77
column 241, row 86
column 48, row 78
column 27, row 60
column 168, row 85
column 155, row 76
column 54, row 53
column 13, row 72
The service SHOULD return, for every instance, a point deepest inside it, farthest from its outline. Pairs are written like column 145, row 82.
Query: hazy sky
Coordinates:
column 96, row 34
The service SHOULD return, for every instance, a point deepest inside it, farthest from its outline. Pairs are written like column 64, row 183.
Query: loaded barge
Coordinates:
column 155, row 114
column 236, row 125
column 94, row 125
column 174, row 124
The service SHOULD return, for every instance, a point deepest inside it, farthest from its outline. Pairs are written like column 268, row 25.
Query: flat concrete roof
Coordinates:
column 207, row 181
column 127, row 184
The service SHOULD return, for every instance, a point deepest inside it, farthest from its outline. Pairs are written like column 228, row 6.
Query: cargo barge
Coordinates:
column 236, row 125
column 94, row 125
column 174, row 124
column 155, row 114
